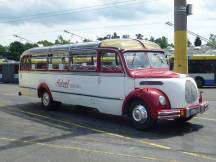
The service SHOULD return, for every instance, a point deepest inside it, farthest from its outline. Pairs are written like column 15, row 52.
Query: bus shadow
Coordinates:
column 81, row 121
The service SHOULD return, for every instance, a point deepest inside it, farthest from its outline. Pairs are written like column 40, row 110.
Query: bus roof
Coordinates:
column 129, row 44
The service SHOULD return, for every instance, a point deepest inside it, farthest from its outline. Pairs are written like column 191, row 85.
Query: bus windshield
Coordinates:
column 142, row 60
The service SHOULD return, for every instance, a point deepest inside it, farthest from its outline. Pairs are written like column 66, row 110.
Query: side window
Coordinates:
column 56, row 63
column 110, row 62
column 25, row 63
column 39, row 63
column 83, row 63
column 58, row 60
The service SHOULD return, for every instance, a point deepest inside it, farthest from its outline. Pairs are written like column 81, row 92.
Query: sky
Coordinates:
column 37, row 20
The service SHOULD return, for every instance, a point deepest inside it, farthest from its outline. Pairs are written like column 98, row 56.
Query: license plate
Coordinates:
column 195, row 111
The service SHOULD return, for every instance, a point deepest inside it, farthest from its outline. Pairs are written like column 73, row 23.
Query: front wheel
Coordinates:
column 139, row 116
column 48, row 103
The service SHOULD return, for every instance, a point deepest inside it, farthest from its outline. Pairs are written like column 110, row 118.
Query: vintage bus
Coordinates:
column 118, row 77
column 202, row 68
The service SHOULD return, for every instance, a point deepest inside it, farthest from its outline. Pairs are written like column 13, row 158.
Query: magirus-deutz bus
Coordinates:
column 118, row 77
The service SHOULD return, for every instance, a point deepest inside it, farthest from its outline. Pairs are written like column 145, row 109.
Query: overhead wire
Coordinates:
column 74, row 10
column 89, row 28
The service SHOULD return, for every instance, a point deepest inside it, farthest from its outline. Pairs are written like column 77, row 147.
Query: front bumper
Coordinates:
column 187, row 112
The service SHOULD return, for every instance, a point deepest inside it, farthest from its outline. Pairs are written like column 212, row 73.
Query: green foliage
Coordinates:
column 125, row 36
column 115, row 36
column 197, row 42
column 45, row 43
column 3, row 51
column 109, row 36
column 162, row 42
column 139, row 36
column 87, row 40
column 61, row 40
column 16, row 49
column 29, row 45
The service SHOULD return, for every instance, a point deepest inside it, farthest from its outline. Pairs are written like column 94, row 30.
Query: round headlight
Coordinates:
column 162, row 100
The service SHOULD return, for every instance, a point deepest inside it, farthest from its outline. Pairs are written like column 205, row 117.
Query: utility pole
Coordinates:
column 181, row 10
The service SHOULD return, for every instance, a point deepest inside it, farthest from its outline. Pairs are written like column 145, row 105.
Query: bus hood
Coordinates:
column 174, row 88
column 154, row 73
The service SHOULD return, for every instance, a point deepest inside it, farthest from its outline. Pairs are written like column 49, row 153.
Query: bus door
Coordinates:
column 110, row 82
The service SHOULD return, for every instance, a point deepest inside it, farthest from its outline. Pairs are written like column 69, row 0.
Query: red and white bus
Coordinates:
column 118, row 77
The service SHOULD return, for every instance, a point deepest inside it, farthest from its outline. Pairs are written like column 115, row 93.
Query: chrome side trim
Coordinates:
column 78, row 94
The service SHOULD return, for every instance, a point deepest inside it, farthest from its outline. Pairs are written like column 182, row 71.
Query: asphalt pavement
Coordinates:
column 74, row 134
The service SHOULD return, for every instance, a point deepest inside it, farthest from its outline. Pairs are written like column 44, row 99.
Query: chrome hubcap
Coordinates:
column 46, row 99
column 140, row 114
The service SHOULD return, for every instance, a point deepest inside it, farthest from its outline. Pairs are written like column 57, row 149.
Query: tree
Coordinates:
column 197, row 41
column 45, row 43
column 139, row 36
column 152, row 39
column 87, row 40
column 125, row 36
column 212, row 40
column 61, row 40
column 29, row 45
column 2, row 51
column 115, row 36
column 16, row 49
column 162, row 42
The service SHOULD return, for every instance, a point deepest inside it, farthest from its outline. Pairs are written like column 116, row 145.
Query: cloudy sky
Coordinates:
column 46, row 19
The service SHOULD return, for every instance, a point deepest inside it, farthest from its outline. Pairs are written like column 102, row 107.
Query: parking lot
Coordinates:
column 29, row 133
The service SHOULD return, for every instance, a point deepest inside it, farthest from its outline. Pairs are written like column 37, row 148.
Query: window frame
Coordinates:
column 99, row 61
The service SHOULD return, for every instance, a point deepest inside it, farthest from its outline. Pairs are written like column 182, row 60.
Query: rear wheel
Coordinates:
column 139, row 116
column 48, row 103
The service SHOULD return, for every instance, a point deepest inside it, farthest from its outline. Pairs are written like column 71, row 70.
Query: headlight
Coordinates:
column 162, row 100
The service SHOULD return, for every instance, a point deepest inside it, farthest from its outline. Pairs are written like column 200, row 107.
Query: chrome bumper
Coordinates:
column 191, row 110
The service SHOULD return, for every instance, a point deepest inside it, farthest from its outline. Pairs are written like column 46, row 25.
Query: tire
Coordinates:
column 183, row 120
column 48, row 103
column 199, row 82
column 139, row 116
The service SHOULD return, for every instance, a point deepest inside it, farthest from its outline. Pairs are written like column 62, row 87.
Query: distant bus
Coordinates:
column 202, row 68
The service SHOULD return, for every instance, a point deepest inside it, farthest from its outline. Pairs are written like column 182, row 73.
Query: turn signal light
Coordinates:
column 182, row 113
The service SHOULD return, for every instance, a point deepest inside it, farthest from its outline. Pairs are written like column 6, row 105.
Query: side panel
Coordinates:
column 105, row 92
column 110, row 86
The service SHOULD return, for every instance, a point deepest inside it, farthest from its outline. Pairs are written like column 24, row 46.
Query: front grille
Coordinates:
column 191, row 92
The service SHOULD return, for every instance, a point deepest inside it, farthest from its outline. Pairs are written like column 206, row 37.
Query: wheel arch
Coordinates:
column 43, row 87
column 149, row 96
